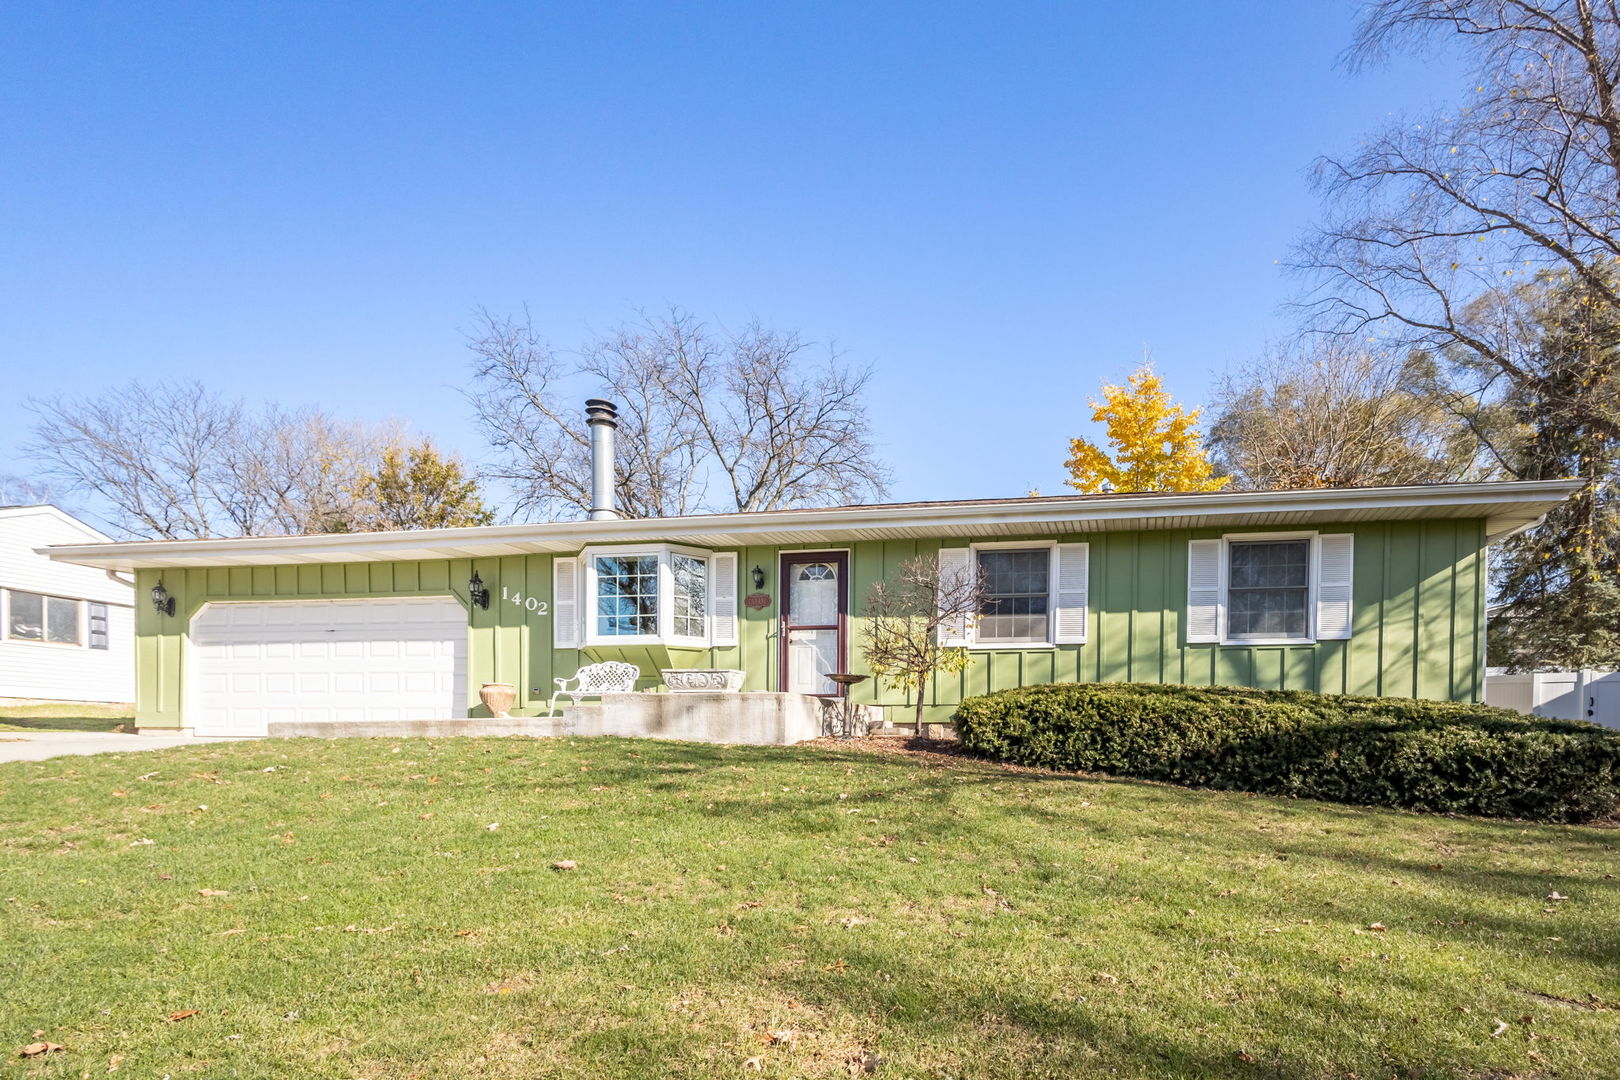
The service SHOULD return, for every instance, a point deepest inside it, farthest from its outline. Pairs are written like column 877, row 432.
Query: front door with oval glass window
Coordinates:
column 815, row 610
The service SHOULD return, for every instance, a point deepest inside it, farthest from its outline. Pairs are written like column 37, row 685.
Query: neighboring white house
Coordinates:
column 67, row 633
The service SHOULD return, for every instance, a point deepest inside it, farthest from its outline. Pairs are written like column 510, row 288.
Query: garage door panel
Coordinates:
column 319, row 661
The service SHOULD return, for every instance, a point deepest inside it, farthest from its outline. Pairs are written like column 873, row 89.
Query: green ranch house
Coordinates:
column 1364, row 591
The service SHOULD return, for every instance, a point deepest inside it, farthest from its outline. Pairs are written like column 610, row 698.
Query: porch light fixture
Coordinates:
column 161, row 600
column 759, row 577
column 476, row 591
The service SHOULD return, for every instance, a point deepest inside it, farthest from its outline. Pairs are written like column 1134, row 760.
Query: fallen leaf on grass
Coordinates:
column 754, row 1063
column 183, row 1014
column 839, row 966
column 114, row 1061
column 213, row 892
column 1378, row 926
column 39, row 1049
column 1501, row 1026
column 1245, row 1057
column 232, row 930
column 565, row 864
column 862, row 1063
column 782, row 1037
column 1556, row 895
column 492, row 826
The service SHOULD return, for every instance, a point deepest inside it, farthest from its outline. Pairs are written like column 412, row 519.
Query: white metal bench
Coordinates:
column 594, row 680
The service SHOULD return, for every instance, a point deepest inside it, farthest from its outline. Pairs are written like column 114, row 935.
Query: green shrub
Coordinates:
column 1422, row 755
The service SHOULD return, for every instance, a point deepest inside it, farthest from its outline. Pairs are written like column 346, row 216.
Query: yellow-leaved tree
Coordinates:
column 1156, row 443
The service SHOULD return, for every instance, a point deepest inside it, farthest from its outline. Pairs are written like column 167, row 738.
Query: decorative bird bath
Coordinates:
column 847, row 680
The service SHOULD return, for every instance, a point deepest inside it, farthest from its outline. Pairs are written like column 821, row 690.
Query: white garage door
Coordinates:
column 260, row 663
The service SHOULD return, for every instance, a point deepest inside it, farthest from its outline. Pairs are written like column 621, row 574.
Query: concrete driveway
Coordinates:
column 39, row 745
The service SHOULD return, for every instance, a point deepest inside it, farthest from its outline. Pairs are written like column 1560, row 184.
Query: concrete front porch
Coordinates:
column 754, row 719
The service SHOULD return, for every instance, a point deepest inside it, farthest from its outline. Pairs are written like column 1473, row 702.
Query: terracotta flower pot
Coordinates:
column 498, row 697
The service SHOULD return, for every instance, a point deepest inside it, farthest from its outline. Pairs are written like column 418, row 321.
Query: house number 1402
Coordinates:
column 527, row 602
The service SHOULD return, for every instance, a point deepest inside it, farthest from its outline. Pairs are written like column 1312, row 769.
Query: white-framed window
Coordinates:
column 1034, row 594
column 1017, row 584
column 625, row 596
column 689, row 595
column 1285, row 588
column 646, row 594
column 39, row 617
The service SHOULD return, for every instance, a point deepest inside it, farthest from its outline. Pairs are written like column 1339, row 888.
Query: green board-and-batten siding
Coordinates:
column 1418, row 621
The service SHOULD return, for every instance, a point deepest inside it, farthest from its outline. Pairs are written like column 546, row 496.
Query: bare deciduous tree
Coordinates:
column 1486, row 237
column 177, row 461
column 21, row 491
column 1337, row 416
column 1437, row 214
column 747, row 416
column 908, row 617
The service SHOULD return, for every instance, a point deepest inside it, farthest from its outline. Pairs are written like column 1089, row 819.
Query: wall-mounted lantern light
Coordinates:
column 476, row 590
column 759, row 577
column 161, row 600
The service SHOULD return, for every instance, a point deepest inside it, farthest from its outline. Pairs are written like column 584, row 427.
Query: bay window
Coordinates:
column 649, row 594
column 626, row 595
column 690, row 576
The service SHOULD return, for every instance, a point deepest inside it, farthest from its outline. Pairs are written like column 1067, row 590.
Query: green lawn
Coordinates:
column 64, row 717
column 951, row 918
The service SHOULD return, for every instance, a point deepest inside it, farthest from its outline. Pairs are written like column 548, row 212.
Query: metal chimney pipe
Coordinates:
column 603, row 418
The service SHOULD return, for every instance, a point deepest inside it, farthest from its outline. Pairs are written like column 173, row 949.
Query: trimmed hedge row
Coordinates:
column 1421, row 755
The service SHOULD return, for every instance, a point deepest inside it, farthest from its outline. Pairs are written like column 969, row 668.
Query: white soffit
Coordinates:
column 1505, row 507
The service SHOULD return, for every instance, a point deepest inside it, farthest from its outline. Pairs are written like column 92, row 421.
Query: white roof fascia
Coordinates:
column 1506, row 506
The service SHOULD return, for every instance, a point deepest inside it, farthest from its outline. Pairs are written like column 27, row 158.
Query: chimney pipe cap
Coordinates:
column 601, row 411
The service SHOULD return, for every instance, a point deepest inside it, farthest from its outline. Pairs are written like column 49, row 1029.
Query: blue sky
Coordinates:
column 998, row 206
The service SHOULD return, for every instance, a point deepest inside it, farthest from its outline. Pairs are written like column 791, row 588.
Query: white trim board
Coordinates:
column 1504, row 507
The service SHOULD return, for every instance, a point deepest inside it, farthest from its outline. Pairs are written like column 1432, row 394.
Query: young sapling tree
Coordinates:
column 911, row 620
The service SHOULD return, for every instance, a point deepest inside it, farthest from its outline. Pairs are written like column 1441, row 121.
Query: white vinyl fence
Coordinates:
column 1561, row 695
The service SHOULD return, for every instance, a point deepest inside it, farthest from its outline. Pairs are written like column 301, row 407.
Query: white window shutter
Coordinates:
column 565, row 617
column 1335, row 565
column 1204, row 590
column 723, row 598
column 955, row 565
column 1073, row 572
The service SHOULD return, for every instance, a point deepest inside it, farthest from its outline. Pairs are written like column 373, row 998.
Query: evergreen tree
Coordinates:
column 1558, row 584
column 417, row 488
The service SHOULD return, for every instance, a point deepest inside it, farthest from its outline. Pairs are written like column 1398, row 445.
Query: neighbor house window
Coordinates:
column 1016, row 586
column 33, row 617
column 1268, row 589
column 691, row 592
column 626, row 595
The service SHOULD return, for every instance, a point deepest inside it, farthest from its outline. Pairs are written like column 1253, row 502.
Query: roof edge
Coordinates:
column 1080, row 508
